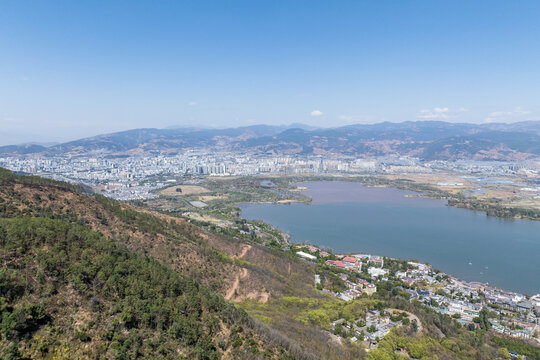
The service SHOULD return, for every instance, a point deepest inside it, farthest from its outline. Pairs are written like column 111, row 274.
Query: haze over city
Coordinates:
column 70, row 70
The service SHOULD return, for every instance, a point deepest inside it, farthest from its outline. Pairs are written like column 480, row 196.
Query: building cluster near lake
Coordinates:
column 137, row 177
column 375, row 325
column 510, row 313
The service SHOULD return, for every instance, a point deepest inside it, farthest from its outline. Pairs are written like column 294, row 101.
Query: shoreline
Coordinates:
column 471, row 284
column 445, row 294
column 305, row 189
column 424, row 190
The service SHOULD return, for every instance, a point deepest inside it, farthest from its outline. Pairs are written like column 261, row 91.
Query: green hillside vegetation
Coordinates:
column 299, row 318
column 69, row 292
column 518, row 347
column 441, row 337
column 84, row 276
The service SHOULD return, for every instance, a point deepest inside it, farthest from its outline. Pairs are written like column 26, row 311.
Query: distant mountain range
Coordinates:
column 428, row 140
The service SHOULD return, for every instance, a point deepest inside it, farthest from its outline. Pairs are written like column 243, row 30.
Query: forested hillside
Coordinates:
column 83, row 276
column 68, row 292
column 77, row 282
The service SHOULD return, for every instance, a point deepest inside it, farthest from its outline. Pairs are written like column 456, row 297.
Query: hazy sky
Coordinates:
column 71, row 69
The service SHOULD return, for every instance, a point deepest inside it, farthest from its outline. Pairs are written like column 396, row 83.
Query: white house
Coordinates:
column 306, row 255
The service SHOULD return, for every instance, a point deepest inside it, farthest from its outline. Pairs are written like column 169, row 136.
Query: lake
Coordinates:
column 349, row 217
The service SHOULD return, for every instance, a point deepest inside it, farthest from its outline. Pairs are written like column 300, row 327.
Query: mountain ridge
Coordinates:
column 427, row 140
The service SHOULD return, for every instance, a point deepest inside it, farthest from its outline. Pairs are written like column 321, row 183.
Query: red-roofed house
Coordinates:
column 336, row 263
column 352, row 262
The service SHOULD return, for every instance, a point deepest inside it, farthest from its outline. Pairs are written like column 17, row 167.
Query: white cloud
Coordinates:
column 316, row 113
column 439, row 113
column 518, row 114
column 192, row 103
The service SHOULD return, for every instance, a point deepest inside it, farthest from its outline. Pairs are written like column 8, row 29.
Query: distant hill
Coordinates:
column 428, row 140
column 21, row 149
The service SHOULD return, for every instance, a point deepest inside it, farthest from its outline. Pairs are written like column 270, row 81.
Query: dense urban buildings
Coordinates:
column 135, row 177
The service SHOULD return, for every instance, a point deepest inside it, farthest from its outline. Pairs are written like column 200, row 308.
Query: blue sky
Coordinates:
column 70, row 69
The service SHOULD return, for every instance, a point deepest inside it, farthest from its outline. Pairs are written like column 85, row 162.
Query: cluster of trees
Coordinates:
column 517, row 346
column 399, row 317
column 314, row 312
column 495, row 208
column 138, row 307
column 482, row 319
column 463, row 346
column 307, row 320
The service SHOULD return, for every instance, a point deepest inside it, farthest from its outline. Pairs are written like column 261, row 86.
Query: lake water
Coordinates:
column 349, row 217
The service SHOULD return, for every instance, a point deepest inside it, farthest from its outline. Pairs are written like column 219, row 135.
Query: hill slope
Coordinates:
column 69, row 292
column 82, row 277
